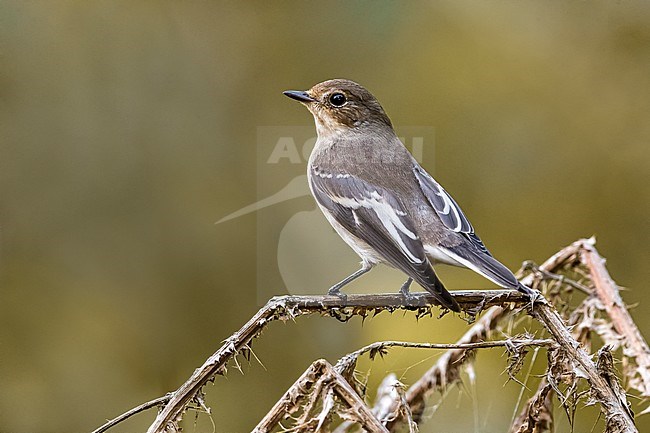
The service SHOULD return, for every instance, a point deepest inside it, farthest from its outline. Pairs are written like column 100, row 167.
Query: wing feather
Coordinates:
column 377, row 217
column 472, row 253
column 446, row 207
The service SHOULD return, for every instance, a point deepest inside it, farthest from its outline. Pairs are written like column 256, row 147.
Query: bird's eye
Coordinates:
column 337, row 99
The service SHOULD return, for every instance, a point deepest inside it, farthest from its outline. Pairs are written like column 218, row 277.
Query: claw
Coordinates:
column 534, row 295
column 336, row 291
column 404, row 290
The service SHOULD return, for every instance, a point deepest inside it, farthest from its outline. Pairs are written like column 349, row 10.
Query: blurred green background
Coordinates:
column 129, row 128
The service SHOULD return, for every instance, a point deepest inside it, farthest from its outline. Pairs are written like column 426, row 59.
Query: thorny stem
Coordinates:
column 381, row 345
column 289, row 307
column 128, row 414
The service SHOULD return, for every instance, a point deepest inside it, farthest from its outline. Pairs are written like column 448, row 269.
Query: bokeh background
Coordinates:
column 129, row 128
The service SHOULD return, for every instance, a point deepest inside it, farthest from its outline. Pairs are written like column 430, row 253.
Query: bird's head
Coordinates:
column 339, row 105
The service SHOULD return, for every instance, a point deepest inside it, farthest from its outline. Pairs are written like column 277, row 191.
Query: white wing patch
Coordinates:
column 449, row 206
column 322, row 174
column 388, row 215
column 444, row 205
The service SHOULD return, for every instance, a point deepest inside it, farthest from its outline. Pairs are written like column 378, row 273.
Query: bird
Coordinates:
column 381, row 201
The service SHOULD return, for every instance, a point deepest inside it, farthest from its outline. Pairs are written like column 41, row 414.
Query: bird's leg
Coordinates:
column 335, row 290
column 404, row 290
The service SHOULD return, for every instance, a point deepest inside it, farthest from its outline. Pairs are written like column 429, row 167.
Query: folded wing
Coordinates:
column 471, row 252
column 377, row 217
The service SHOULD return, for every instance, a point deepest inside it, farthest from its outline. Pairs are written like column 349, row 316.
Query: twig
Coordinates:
column 292, row 398
column 448, row 367
column 604, row 384
column 537, row 415
column 389, row 413
column 634, row 345
column 286, row 307
column 616, row 413
column 379, row 347
column 404, row 408
column 350, row 396
column 384, row 407
column 320, row 371
column 557, row 277
column 302, row 422
column 144, row 406
column 606, row 370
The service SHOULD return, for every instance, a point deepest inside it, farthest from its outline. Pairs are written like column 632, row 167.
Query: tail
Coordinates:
column 481, row 262
column 432, row 284
column 526, row 290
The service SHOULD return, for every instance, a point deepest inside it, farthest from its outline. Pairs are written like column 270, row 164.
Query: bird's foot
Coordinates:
column 533, row 295
column 404, row 290
column 336, row 291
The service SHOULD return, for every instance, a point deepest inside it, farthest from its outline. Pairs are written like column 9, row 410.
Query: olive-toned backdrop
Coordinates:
column 129, row 128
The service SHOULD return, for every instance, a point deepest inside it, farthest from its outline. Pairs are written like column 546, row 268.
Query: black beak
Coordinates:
column 299, row 95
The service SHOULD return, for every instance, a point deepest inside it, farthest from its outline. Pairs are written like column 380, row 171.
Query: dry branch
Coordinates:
column 290, row 307
column 320, row 372
column 381, row 346
column 604, row 294
column 617, row 413
column 136, row 410
column 396, row 404
column 537, row 415
column 635, row 348
column 291, row 401
column 321, row 381
column 448, row 367
column 309, row 386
